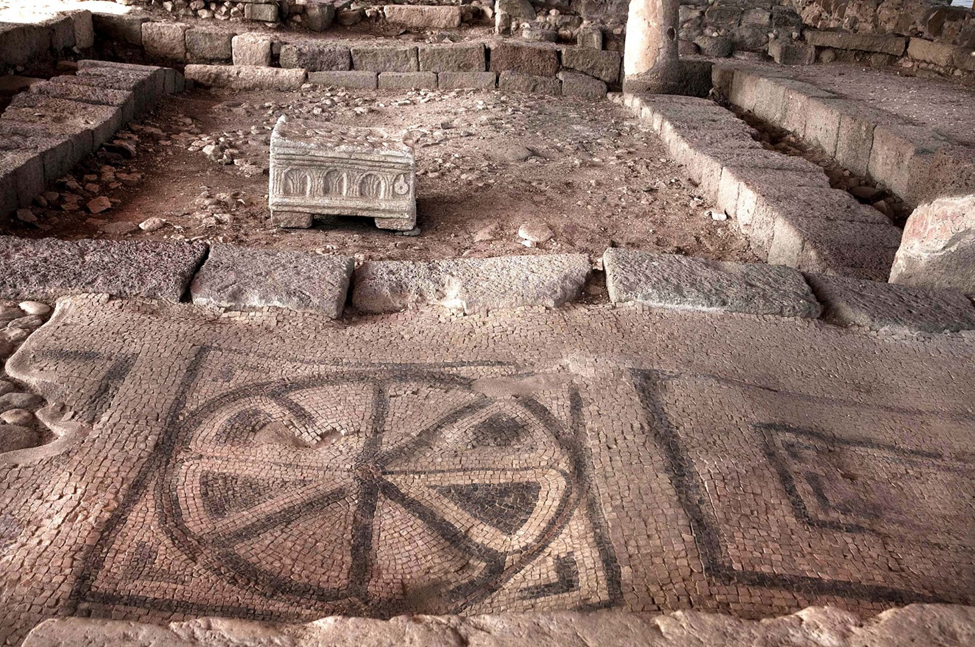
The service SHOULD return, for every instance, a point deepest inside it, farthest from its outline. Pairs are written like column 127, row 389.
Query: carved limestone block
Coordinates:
column 326, row 169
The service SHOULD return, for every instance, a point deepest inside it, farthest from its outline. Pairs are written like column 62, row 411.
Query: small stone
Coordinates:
column 15, row 335
column 485, row 234
column 30, row 322
column 14, row 437
column 10, row 313
column 6, row 387
column 26, row 215
column 21, row 417
column 152, row 224
column 99, row 204
column 20, row 401
column 119, row 228
column 535, row 232
column 865, row 193
column 35, row 308
column 718, row 215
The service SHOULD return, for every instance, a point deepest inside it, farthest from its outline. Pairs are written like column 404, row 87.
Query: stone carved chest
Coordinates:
column 326, row 169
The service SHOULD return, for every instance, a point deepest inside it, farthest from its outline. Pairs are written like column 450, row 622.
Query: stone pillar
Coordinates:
column 650, row 62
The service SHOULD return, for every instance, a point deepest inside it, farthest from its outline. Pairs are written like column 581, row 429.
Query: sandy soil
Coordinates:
column 488, row 163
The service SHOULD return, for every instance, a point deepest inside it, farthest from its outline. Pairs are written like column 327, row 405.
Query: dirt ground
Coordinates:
column 488, row 163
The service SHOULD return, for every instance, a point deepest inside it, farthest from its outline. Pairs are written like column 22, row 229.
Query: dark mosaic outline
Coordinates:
column 686, row 481
column 573, row 440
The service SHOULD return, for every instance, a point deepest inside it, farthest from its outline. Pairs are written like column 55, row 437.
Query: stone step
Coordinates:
column 783, row 204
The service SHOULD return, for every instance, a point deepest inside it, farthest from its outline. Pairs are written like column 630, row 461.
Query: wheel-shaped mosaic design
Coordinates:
column 379, row 495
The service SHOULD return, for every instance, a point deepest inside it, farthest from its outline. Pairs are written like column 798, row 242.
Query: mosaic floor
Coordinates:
column 284, row 467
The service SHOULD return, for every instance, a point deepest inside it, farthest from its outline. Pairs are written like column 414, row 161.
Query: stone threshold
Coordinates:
column 918, row 624
column 240, row 278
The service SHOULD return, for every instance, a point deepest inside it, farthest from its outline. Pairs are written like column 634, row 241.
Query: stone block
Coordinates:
column 470, row 285
column 322, row 168
column 792, row 53
column 21, row 177
column 21, row 43
column 84, row 31
column 515, row 82
column 464, row 80
column 316, row 57
column 122, row 99
column 147, row 81
column 209, row 45
column 669, row 281
column 854, row 140
column 893, row 45
column 166, row 40
column 461, row 57
column 251, row 49
column 823, row 123
column 534, row 59
column 243, row 77
column 582, row 86
column 261, row 12
column 590, row 37
column 102, row 122
column 930, row 52
column 48, row 268
column 952, row 173
column 862, row 249
column 901, row 158
column 795, row 109
column 938, row 246
column 715, row 46
column 423, row 17
column 604, row 65
column 319, row 16
column 894, row 308
column 358, row 80
column 251, row 277
column 408, row 81
column 61, row 29
column 396, row 58
column 56, row 150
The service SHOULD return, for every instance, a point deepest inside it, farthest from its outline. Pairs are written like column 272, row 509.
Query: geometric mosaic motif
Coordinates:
column 361, row 490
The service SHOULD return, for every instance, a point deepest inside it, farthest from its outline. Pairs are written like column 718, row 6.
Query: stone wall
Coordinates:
column 931, row 20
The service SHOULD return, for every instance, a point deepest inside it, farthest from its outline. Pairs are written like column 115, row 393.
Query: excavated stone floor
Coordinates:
column 280, row 466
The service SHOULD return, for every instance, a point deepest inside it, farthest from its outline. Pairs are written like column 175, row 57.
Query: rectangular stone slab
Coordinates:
column 250, row 277
column 887, row 306
column 670, row 281
column 471, row 284
column 326, row 169
column 49, row 268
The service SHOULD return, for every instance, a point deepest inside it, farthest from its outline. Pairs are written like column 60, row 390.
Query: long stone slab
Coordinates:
column 470, row 285
column 886, row 306
column 670, row 281
column 49, row 268
column 246, row 77
column 249, row 277
column 919, row 624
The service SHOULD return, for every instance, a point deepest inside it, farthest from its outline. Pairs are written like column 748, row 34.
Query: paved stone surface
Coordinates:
column 48, row 268
column 470, row 285
column 668, row 281
column 938, row 246
column 886, row 306
column 242, row 276
column 283, row 467
column 945, row 626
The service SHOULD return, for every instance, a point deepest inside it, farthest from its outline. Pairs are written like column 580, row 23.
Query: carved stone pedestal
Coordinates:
column 326, row 169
